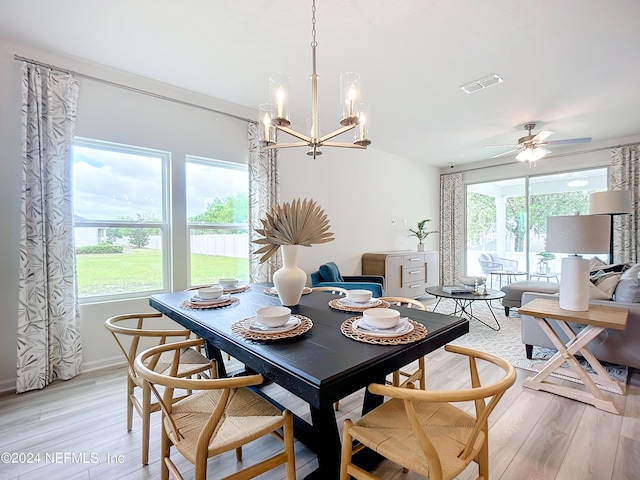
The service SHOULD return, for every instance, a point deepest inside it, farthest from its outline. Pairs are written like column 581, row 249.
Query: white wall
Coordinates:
column 361, row 191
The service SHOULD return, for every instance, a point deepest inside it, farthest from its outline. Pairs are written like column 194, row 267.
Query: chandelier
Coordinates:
column 274, row 116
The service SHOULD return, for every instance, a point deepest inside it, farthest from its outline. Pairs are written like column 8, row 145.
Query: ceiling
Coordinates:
column 570, row 66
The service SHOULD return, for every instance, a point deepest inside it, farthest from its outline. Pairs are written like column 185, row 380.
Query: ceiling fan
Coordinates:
column 530, row 146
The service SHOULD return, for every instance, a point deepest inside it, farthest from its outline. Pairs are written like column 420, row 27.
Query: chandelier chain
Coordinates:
column 313, row 24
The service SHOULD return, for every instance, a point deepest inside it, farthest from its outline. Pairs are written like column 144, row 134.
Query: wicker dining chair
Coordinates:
column 335, row 290
column 402, row 378
column 132, row 332
column 221, row 415
column 423, row 431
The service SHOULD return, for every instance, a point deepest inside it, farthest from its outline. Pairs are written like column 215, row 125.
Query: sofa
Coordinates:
column 615, row 346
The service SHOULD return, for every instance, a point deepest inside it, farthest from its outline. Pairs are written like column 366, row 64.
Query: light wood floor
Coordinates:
column 76, row 430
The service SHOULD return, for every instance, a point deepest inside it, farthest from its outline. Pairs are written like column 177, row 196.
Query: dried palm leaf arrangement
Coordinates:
column 301, row 222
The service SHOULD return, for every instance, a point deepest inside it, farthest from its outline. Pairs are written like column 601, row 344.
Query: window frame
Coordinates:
column 210, row 162
column 163, row 226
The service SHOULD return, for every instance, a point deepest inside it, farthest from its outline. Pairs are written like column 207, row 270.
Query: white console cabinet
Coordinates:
column 406, row 273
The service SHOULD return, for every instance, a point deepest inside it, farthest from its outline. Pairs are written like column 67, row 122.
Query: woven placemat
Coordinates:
column 304, row 327
column 274, row 292
column 239, row 289
column 336, row 305
column 418, row 333
column 202, row 306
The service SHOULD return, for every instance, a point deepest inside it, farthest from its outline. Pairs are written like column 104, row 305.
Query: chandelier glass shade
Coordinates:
column 274, row 116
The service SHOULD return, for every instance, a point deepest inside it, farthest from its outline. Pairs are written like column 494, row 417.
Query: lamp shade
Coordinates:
column 610, row 202
column 577, row 234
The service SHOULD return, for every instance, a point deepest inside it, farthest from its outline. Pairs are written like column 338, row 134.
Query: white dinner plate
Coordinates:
column 252, row 325
column 349, row 303
column 382, row 332
column 198, row 299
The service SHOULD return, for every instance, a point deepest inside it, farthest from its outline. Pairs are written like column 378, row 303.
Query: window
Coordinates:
column 218, row 215
column 120, row 219
column 509, row 217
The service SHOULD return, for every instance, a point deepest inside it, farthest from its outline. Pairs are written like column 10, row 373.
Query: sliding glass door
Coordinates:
column 508, row 218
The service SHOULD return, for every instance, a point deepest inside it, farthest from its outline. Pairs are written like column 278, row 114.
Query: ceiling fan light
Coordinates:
column 524, row 156
column 537, row 154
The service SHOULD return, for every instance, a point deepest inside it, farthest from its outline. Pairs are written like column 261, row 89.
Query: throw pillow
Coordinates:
column 595, row 263
column 631, row 272
column 596, row 294
column 607, row 282
column 628, row 290
column 330, row 273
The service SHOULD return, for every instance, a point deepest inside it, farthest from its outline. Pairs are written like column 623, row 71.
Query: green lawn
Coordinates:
column 139, row 270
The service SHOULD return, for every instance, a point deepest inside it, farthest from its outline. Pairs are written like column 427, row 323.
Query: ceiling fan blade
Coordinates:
column 568, row 141
column 546, row 152
column 501, row 146
column 541, row 136
column 505, row 153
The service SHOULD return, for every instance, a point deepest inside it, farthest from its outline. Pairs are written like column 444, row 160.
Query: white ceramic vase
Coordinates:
column 289, row 280
column 421, row 247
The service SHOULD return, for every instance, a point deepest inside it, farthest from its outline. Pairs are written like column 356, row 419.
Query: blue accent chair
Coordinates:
column 329, row 275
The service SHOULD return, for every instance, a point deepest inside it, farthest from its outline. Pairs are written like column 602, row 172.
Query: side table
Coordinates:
column 596, row 319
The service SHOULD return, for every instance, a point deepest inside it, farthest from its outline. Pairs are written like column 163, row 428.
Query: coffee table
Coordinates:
column 511, row 275
column 464, row 302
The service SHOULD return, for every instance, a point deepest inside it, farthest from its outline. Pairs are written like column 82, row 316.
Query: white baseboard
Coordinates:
column 9, row 385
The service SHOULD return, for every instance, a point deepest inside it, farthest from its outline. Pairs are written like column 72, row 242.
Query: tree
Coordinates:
column 233, row 210
column 541, row 207
column 481, row 216
column 139, row 237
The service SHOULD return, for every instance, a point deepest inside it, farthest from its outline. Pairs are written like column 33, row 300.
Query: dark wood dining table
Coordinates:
column 321, row 366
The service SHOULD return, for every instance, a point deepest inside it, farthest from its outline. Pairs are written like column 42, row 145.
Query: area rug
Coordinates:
column 507, row 342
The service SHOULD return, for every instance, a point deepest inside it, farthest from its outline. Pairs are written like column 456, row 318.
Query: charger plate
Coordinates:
column 305, row 325
column 337, row 305
column 418, row 333
column 201, row 306
column 238, row 289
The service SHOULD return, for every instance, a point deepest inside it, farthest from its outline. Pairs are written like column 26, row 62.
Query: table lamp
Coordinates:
column 610, row 202
column 576, row 234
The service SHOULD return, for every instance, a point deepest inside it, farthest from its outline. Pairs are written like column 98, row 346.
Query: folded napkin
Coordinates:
column 255, row 325
column 198, row 299
column 351, row 303
column 401, row 327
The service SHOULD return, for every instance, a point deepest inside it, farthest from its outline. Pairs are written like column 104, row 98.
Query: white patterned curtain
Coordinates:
column 625, row 175
column 49, row 344
column 452, row 219
column 264, row 193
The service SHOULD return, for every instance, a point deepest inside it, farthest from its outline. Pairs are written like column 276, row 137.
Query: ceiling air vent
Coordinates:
column 481, row 84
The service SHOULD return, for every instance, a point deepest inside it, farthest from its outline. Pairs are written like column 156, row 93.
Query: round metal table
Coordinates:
column 464, row 302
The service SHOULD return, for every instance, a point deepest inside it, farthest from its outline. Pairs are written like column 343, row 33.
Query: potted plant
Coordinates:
column 543, row 263
column 421, row 233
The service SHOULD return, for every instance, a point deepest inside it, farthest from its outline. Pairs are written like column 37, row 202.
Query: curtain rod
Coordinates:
column 131, row 89
column 462, row 169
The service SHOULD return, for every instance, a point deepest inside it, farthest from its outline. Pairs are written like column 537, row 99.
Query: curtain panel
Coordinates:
column 452, row 219
column 49, row 342
column 624, row 174
column 264, row 192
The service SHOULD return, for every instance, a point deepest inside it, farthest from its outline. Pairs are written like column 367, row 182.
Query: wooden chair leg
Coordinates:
column 289, row 446
column 130, row 388
column 165, row 450
column 146, row 422
column 347, row 441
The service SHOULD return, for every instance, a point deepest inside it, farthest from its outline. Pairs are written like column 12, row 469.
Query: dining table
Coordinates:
column 322, row 365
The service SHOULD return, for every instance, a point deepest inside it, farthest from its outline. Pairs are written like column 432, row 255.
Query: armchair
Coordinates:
column 491, row 262
column 328, row 275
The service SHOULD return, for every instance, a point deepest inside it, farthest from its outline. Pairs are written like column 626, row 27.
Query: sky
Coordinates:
column 110, row 185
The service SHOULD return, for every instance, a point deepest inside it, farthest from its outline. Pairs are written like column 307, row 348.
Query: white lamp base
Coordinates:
column 574, row 287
